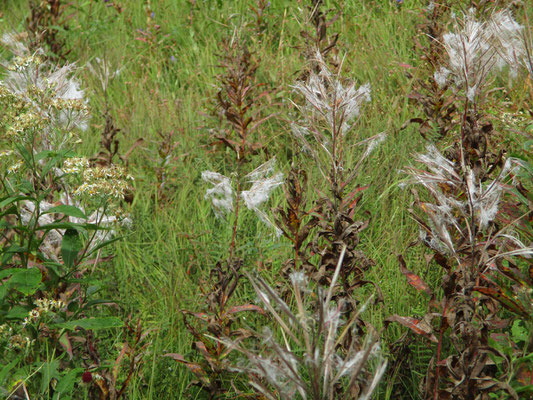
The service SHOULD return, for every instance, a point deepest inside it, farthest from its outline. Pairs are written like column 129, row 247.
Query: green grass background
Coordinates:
column 169, row 86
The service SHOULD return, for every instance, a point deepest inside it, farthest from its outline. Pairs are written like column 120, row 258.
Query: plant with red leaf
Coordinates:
column 44, row 24
column 108, row 383
column 240, row 101
column 317, row 39
column 215, row 321
column 431, row 93
column 325, row 132
column 310, row 361
column 461, row 223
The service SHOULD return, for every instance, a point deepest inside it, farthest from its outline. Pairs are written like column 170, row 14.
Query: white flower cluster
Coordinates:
column 48, row 90
column 44, row 307
column 6, row 153
column 14, row 168
column 111, row 181
column 75, row 165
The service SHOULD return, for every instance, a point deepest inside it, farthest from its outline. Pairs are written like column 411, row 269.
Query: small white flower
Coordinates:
column 13, row 169
column 6, row 153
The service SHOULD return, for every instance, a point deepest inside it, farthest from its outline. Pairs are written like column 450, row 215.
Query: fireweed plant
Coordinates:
column 220, row 315
column 437, row 103
column 57, row 213
column 325, row 133
column 296, row 326
column 461, row 222
column 310, row 362
column 241, row 109
column 320, row 355
column 337, row 106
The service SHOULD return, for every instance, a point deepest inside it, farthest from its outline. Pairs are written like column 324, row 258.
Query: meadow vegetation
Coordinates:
column 307, row 199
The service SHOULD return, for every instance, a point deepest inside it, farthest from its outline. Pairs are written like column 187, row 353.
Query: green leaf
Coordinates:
column 49, row 371
column 18, row 312
column 26, row 155
column 527, row 388
column 92, row 323
column 13, row 199
column 103, row 244
column 25, row 280
column 11, row 210
column 70, row 247
column 42, row 154
column 71, row 211
column 4, row 371
column 65, row 385
column 54, row 267
column 519, row 333
column 6, row 272
column 70, row 225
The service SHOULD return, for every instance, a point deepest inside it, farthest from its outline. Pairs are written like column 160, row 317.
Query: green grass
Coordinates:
column 159, row 263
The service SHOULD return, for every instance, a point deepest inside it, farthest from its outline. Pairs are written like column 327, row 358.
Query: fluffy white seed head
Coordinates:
column 476, row 48
column 264, row 181
column 221, row 194
column 441, row 76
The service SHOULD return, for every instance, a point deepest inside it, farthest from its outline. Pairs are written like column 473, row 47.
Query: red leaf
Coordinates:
column 246, row 307
column 406, row 66
column 200, row 315
column 414, row 280
column 193, row 367
column 416, row 325
column 202, row 349
column 349, row 197
column 503, row 299
column 64, row 341
column 118, row 361
column 524, row 376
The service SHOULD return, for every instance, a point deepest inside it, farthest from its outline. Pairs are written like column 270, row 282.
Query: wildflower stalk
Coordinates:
column 326, row 127
column 236, row 219
column 312, row 365
column 462, row 224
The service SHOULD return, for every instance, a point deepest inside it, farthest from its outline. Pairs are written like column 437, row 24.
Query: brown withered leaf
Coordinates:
column 413, row 279
column 506, row 301
column 202, row 349
column 246, row 307
column 525, row 375
column 418, row 326
column 196, row 369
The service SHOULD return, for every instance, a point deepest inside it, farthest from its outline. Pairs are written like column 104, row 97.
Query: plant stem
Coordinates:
column 232, row 247
column 439, row 348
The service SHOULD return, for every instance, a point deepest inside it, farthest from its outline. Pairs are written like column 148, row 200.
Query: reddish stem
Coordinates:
column 232, row 247
column 439, row 348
